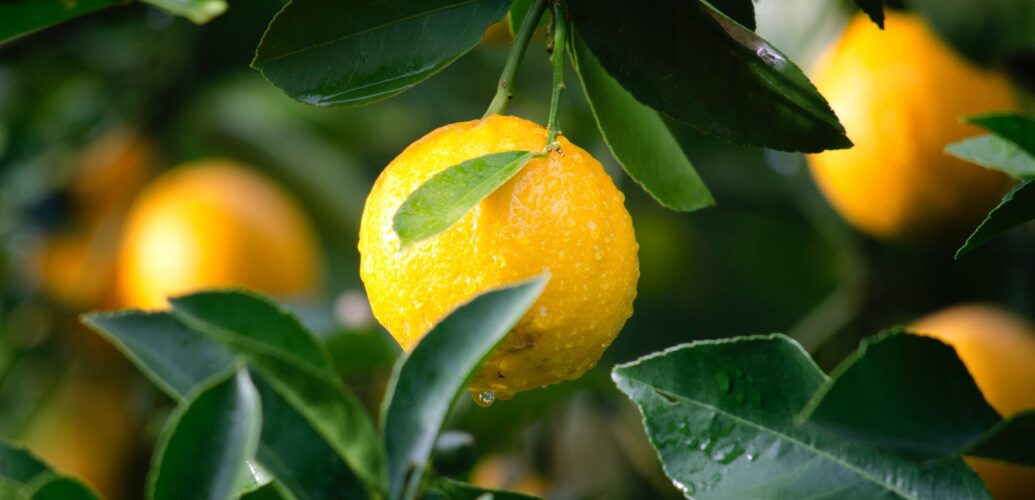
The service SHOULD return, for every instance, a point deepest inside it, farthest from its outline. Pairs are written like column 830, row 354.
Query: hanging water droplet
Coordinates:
column 484, row 398
column 686, row 490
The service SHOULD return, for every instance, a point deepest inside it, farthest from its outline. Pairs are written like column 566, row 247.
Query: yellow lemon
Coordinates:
column 560, row 214
column 999, row 350
column 214, row 224
column 76, row 265
column 901, row 94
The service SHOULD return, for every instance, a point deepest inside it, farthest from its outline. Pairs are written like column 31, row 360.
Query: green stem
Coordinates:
column 560, row 40
column 517, row 53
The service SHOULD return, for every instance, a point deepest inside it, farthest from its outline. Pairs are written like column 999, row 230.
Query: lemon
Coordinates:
column 214, row 224
column 560, row 214
column 999, row 350
column 901, row 94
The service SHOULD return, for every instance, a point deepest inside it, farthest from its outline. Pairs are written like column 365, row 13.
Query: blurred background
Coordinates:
column 96, row 113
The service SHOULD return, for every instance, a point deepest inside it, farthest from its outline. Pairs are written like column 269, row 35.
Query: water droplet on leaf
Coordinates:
column 484, row 398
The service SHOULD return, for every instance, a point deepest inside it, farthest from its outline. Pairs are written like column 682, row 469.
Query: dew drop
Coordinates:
column 683, row 488
column 484, row 398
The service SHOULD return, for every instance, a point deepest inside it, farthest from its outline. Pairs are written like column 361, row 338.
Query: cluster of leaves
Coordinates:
column 1009, row 148
column 755, row 417
column 261, row 413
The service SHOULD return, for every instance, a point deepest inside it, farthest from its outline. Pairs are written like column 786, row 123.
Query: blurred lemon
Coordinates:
column 87, row 430
column 900, row 94
column 999, row 350
column 214, row 224
column 561, row 214
column 501, row 472
column 76, row 265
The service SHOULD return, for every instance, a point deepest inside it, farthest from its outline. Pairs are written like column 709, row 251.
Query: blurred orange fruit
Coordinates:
column 215, row 224
column 561, row 213
column 901, row 94
column 999, row 350
column 75, row 266
column 502, row 472
column 87, row 430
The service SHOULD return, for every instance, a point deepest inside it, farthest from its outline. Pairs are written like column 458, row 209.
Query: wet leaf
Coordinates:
column 429, row 380
column 24, row 17
column 721, row 416
column 448, row 489
column 689, row 61
column 912, row 393
column 443, row 199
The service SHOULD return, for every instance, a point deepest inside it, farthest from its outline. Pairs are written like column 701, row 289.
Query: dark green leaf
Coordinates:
column 444, row 198
column 25, row 476
column 19, row 464
column 429, row 380
column 299, row 455
column 204, row 447
column 271, row 491
column 874, row 9
column 198, row 11
column 912, row 393
column 332, row 412
column 174, row 357
column 179, row 359
column 1017, row 207
column 22, row 17
column 639, row 139
column 1018, row 129
column 690, row 62
column 721, row 415
column 992, row 151
column 741, row 11
column 352, row 53
column 249, row 318
column 447, row 489
column 63, row 488
column 988, row 32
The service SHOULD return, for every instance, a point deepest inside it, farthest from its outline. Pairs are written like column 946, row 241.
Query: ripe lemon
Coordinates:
column 75, row 265
column 900, row 94
column 214, row 224
column 999, row 350
column 87, row 430
column 561, row 214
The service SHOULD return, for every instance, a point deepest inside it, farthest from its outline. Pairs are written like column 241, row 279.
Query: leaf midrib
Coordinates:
column 367, row 30
column 831, row 458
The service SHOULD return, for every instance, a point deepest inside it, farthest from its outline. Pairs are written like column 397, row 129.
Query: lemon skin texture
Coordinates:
column 560, row 214
column 999, row 350
column 215, row 224
column 901, row 94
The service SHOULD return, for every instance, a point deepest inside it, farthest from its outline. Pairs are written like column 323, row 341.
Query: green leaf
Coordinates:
column 988, row 32
column 178, row 359
column 26, row 16
column 1017, row 207
column 721, row 415
column 448, row 489
column 24, row 475
column 325, row 52
column 874, row 9
column 741, row 11
column 300, row 457
column 203, row 449
column 326, row 406
column 271, row 491
column 992, row 151
column 444, row 198
column 58, row 487
column 689, row 61
column 639, row 139
column 198, row 11
column 1018, row 129
column 430, row 379
column 250, row 318
column 174, row 357
column 912, row 393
